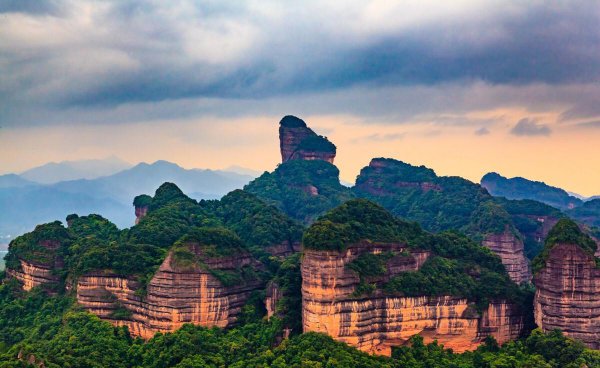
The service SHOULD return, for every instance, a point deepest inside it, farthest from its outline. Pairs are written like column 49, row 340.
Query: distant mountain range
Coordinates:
column 54, row 172
column 521, row 188
column 586, row 210
column 26, row 202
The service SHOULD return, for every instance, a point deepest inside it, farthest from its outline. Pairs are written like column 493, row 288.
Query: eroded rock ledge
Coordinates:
column 510, row 249
column 375, row 323
column 568, row 294
column 175, row 296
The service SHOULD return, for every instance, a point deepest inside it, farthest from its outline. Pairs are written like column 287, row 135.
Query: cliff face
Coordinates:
column 510, row 250
column 568, row 294
column 298, row 142
column 32, row 275
column 37, row 273
column 140, row 212
column 175, row 295
column 375, row 323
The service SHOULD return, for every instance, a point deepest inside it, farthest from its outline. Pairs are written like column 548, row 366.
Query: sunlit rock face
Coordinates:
column 568, row 294
column 375, row 323
column 298, row 142
column 32, row 274
column 175, row 295
column 511, row 251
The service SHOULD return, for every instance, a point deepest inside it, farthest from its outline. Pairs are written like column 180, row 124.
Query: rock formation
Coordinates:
column 141, row 204
column 299, row 142
column 34, row 274
column 175, row 295
column 375, row 323
column 442, row 203
column 34, row 258
column 510, row 250
column 568, row 294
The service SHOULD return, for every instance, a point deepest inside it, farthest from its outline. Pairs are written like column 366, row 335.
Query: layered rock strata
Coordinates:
column 568, row 294
column 510, row 249
column 175, row 295
column 299, row 142
column 32, row 273
column 375, row 323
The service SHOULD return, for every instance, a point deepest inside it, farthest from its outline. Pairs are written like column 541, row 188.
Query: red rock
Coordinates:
column 567, row 294
column 293, row 132
column 174, row 296
column 375, row 323
column 510, row 250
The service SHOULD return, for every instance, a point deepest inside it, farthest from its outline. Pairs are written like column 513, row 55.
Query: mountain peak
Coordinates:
column 298, row 142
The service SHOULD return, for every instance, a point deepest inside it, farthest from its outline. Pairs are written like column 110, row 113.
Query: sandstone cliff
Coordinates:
column 299, row 142
column 568, row 294
column 32, row 275
column 175, row 295
column 377, row 322
column 35, row 258
column 510, row 250
column 441, row 203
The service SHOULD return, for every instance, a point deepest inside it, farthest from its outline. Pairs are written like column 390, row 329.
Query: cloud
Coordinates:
column 529, row 127
column 589, row 107
column 590, row 124
column 482, row 131
column 68, row 56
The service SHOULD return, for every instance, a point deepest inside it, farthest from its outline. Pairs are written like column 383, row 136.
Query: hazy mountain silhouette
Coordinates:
column 54, row 172
column 26, row 204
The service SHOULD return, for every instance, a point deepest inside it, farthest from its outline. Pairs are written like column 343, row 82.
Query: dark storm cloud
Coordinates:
column 143, row 51
column 529, row 127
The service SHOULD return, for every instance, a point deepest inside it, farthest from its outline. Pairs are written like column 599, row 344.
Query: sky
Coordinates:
column 463, row 87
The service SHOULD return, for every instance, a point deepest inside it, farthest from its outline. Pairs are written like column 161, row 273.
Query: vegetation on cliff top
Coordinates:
column 241, row 222
column 355, row 220
column 30, row 245
column 437, row 203
column 143, row 200
column 566, row 231
column 302, row 189
column 458, row 266
column 257, row 223
column 316, row 143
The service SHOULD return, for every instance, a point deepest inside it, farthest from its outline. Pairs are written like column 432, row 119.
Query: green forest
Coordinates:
column 46, row 327
column 37, row 328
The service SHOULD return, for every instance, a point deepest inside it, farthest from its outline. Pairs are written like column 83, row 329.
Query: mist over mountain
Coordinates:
column 14, row 180
column 26, row 203
column 54, row 172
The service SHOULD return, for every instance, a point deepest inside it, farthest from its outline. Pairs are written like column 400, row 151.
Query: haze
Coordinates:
column 465, row 87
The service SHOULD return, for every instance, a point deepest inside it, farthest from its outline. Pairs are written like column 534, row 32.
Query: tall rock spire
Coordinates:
column 298, row 142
